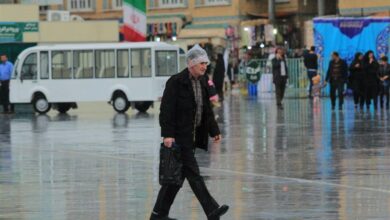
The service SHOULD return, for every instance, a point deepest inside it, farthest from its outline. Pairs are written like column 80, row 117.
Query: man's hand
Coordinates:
column 168, row 142
column 217, row 138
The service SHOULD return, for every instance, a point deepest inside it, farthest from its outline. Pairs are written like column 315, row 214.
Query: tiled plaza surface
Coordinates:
column 305, row 162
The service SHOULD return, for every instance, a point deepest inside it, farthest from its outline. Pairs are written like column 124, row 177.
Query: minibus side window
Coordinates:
column 105, row 64
column 29, row 67
column 44, row 65
column 141, row 62
column 166, row 63
column 61, row 64
column 83, row 64
column 123, row 63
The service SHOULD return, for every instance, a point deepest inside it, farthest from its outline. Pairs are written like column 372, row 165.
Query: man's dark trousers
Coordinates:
column 337, row 85
column 191, row 172
column 280, row 87
column 5, row 95
column 310, row 74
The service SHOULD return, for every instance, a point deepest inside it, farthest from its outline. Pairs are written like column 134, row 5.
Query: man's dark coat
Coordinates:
column 177, row 112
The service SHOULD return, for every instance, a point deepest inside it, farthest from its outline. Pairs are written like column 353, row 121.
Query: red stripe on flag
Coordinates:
column 130, row 34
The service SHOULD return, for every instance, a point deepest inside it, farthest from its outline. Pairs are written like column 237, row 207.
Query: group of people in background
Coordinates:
column 368, row 78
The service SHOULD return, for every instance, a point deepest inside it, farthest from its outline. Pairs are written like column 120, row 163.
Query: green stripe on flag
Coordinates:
column 138, row 4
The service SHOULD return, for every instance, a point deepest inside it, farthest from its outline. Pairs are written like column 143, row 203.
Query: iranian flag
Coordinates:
column 134, row 20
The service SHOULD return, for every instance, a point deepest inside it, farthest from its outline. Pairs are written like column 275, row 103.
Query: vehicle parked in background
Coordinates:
column 123, row 74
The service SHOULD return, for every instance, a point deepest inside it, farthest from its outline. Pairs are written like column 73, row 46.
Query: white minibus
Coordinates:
column 123, row 74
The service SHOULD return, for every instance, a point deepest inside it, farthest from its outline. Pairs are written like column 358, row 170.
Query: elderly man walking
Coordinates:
column 186, row 120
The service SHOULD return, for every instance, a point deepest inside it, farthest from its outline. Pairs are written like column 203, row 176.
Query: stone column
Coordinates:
column 321, row 7
column 271, row 11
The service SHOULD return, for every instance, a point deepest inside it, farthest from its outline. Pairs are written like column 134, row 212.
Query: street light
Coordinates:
column 275, row 31
column 262, row 45
column 158, row 39
column 174, row 38
column 246, row 28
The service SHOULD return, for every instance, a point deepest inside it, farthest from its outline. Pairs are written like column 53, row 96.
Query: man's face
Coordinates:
column 280, row 52
column 198, row 69
column 3, row 58
column 335, row 58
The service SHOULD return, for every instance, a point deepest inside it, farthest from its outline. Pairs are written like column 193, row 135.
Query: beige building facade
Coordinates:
column 22, row 26
column 212, row 22
column 53, row 31
column 216, row 23
column 220, row 23
column 364, row 7
column 232, row 24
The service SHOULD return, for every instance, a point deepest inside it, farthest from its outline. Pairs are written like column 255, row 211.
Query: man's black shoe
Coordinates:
column 218, row 212
column 156, row 217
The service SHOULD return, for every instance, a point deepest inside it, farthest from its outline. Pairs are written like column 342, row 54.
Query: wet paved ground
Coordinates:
column 305, row 162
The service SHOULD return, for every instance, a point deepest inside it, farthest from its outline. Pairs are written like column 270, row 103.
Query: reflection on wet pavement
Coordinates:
column 305, row 162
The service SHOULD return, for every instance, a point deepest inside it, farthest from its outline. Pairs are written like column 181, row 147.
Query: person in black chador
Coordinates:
column 186, row 119
column 280, row 75
column 219, row 75
column 356, row 79
column 310, row 61
column 384, row 77
column 337, row 77
column 371, row 68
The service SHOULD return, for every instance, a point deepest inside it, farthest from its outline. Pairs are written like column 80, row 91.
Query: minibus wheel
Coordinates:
column 142, row 106
column 120, row 103
column 40, row 104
